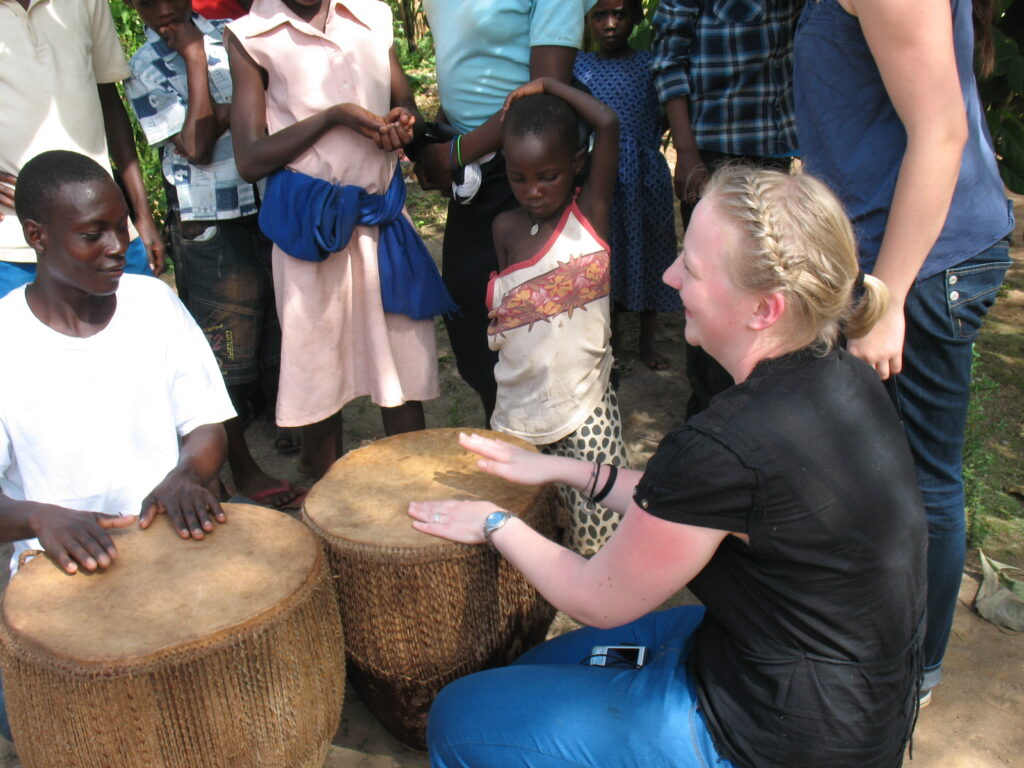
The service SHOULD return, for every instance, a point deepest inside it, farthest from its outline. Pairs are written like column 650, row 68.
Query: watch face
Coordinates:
column 494, row 519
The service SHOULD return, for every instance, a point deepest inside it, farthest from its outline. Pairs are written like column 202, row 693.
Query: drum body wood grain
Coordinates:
column 223, row 652
column 419, row 611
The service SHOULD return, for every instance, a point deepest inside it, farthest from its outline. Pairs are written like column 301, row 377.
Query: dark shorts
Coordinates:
column 222, row 271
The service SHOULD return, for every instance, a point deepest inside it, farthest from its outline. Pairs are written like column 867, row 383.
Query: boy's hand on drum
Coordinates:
column 190, row 506
column 76, row 539
column 510, row 462
column 455, row 520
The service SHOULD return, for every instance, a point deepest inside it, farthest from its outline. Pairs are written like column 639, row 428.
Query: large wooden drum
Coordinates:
column 419, row 611
column 225, row 652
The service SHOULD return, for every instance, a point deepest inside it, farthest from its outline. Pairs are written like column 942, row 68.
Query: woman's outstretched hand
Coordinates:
column 510, row 462
column 455, row 520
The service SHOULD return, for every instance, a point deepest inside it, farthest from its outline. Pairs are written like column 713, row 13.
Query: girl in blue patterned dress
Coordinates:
column 643, row 237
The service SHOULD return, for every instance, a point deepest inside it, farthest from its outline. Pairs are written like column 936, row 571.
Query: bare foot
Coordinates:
column 652, row 359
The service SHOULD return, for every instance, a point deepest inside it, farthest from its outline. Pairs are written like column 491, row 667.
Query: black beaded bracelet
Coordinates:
column 613, row 472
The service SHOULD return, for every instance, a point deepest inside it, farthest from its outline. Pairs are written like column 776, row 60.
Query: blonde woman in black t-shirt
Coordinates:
column 789, row 507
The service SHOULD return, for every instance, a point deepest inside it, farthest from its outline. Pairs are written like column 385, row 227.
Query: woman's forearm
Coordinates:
column 920, row 204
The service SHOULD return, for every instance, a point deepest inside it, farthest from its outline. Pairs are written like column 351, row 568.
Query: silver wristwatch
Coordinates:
column 494, row 521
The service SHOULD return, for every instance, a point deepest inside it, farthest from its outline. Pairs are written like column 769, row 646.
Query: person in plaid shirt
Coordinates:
column 723, row 71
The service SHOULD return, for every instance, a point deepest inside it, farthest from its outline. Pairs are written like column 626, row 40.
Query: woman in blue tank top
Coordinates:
column 888, row 115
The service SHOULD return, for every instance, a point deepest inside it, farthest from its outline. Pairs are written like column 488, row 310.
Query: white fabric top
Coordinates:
column 550, row 323
column 93, row 424
column 51, row 58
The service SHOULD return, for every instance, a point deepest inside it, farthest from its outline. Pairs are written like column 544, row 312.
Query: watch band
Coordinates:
column 494, row 521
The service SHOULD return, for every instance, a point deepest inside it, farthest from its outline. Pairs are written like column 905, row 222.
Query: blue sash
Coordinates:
column 309, row 219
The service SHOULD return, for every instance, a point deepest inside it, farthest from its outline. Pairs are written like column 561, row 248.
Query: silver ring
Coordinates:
column 437, row 517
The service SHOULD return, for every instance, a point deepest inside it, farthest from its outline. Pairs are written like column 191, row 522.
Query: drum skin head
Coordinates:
column 365, row 495
column 163, row 592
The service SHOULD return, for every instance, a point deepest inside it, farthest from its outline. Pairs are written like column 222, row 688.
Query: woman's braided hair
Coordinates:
column 799, row 243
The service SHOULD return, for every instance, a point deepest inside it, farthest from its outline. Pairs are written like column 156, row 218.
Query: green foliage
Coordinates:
column 977, row 456
column 1002, row 93
column 643, row 35
column 418, row 62
column 132, row 33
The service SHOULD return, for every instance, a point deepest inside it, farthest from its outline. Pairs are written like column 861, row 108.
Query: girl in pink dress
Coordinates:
column 318, row 89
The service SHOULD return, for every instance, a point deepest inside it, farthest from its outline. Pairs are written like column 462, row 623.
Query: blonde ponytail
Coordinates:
column 869, row 308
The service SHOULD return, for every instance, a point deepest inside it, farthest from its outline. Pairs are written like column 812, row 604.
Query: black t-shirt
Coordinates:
column 809, row 653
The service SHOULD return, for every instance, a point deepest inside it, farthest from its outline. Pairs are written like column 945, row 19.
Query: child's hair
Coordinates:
column 42, row 178
column 541, row 114
column 636, row 7
column 799, row 243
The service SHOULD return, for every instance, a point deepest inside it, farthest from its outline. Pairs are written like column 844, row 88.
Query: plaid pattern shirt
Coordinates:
column 158, row 92
column 733, row 60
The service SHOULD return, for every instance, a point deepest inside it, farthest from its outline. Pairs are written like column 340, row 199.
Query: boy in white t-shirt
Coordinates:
column 112, row 374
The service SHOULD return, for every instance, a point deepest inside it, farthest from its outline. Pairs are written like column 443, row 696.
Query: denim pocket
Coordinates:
column 971, row 289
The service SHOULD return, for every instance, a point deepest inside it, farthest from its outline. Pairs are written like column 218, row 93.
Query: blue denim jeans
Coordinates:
column 551, row 708
column 944, row 314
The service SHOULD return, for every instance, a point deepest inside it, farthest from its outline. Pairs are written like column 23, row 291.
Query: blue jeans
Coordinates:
column 550, row 708
column 944, row 314
column 16, row 274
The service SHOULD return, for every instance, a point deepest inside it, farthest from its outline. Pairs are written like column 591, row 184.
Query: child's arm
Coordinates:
column 257, row 154
column 545, row 61
column 404, row 116
column 201, row 130
column 121, row 145
column 595, row 199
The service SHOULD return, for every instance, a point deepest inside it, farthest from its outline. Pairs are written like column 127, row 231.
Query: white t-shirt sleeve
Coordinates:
column 197, row 391
column 108, row 61
column 5, row 447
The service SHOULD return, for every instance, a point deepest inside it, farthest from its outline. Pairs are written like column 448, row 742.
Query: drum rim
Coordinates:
column 19, row 645
column 428, row 548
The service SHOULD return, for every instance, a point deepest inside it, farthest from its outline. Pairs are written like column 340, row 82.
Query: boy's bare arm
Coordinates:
column 201, row 130
column 7, row 182
column 690, row 175
column 121, row 144
column 183, row 495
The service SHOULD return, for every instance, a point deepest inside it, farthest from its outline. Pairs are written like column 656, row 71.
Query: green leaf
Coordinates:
column 1005, row 51
column 1015, row 74
column 1008, row 138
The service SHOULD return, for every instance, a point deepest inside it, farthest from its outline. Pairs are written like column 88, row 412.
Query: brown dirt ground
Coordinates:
column 975, row 719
